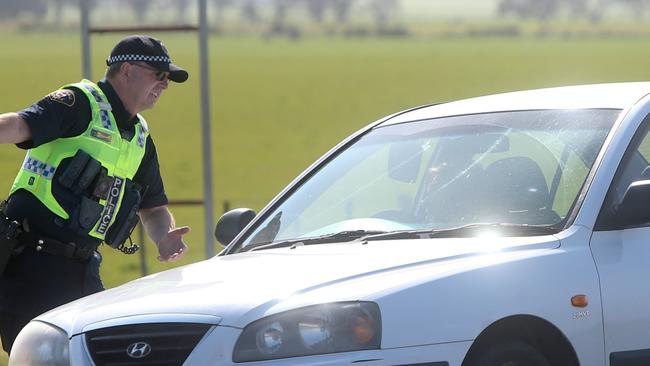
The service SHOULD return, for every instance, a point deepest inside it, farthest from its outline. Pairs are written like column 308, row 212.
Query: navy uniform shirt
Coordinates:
column 67, row 113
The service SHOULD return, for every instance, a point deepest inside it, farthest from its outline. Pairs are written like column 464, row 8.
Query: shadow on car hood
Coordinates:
column 243, row 287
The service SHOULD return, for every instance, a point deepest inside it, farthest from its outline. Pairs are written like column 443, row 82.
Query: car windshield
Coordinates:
column 521, row 168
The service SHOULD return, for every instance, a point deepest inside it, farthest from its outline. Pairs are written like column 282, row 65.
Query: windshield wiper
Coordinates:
column 464, row 231
column 341, row 236
column 467, row 231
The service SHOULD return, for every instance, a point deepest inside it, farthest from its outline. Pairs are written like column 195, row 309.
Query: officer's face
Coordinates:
column 146, row 85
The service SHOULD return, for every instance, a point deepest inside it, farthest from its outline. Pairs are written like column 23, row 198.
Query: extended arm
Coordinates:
column 161, row 228
column 13, row 129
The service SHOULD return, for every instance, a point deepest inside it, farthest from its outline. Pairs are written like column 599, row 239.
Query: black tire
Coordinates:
column 513, row 353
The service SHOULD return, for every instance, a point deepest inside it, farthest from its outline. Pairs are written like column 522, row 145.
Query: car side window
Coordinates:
column 634, row 167
column 569, row 181
column 644, row 148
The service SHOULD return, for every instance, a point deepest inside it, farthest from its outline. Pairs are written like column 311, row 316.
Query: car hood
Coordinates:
column 236, row 289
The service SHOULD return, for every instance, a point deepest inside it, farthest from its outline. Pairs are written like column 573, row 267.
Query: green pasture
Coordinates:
column 277, row 105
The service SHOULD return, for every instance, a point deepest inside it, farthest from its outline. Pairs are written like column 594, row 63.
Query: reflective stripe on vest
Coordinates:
column 36, row 166
column 103, row 142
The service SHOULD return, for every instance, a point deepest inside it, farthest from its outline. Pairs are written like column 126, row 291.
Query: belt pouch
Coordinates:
column 89, row 213
column 74, row 169
column 7, row 245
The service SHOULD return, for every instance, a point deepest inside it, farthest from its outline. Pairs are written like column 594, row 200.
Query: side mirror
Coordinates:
column 231, row 223
column 634, row 210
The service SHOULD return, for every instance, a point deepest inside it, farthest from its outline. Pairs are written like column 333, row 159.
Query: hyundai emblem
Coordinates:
column 138, row 350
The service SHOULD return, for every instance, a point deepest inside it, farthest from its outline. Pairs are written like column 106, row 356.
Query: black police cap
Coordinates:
column 147, row 49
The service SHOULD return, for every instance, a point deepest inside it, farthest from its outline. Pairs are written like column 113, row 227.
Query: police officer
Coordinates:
column 90, row 167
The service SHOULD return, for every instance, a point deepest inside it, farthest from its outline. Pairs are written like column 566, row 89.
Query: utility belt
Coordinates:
column 14, row 239
column 51, row 246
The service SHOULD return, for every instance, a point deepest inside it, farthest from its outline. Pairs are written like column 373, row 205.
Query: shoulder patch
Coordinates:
column 63, row 96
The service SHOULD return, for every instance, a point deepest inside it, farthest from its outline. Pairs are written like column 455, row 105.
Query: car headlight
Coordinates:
column 312, row 330
column 40, row 344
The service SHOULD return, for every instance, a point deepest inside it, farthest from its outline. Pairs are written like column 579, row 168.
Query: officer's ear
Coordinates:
column 125, row 69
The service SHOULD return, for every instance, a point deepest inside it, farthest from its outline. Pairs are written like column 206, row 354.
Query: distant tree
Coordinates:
column 280, row 8
column 249, row 11
column 280, row 12
column 342, row 10
column 181, row 10
column 279, row 24
column 383, row 11
column 12, row 9
column 58, row 11
column 57, row 7
column 220, row 7
column 140, row 8
column 316, row 9
column 528, row 9
column 578, row 8
column 638, row 8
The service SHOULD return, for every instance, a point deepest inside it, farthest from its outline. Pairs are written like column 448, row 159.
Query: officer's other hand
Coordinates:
column 172, row 247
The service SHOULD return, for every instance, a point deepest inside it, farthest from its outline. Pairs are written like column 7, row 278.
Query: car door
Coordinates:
column 622, row 256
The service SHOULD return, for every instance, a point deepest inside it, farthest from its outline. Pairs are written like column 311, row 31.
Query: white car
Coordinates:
column 511, row 229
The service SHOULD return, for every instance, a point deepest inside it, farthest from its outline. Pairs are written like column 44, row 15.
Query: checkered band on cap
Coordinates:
column 39, row 167
column 145, row 58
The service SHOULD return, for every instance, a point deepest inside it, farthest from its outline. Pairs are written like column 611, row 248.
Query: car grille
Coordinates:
column 164, row 344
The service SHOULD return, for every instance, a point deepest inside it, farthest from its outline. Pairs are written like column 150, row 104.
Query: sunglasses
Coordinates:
column 160, row 75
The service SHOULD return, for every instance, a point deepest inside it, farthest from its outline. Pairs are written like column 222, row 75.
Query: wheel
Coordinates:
column 513, row 353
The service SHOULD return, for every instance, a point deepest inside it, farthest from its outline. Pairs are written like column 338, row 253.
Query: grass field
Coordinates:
column 277, row 105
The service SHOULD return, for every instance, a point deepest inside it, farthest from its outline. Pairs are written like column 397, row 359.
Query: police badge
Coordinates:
column 63, row 96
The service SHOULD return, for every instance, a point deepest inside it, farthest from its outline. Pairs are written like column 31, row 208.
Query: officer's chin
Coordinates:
column 149, row 105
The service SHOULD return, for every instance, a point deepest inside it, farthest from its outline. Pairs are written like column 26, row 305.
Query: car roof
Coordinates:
column 602, row 96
